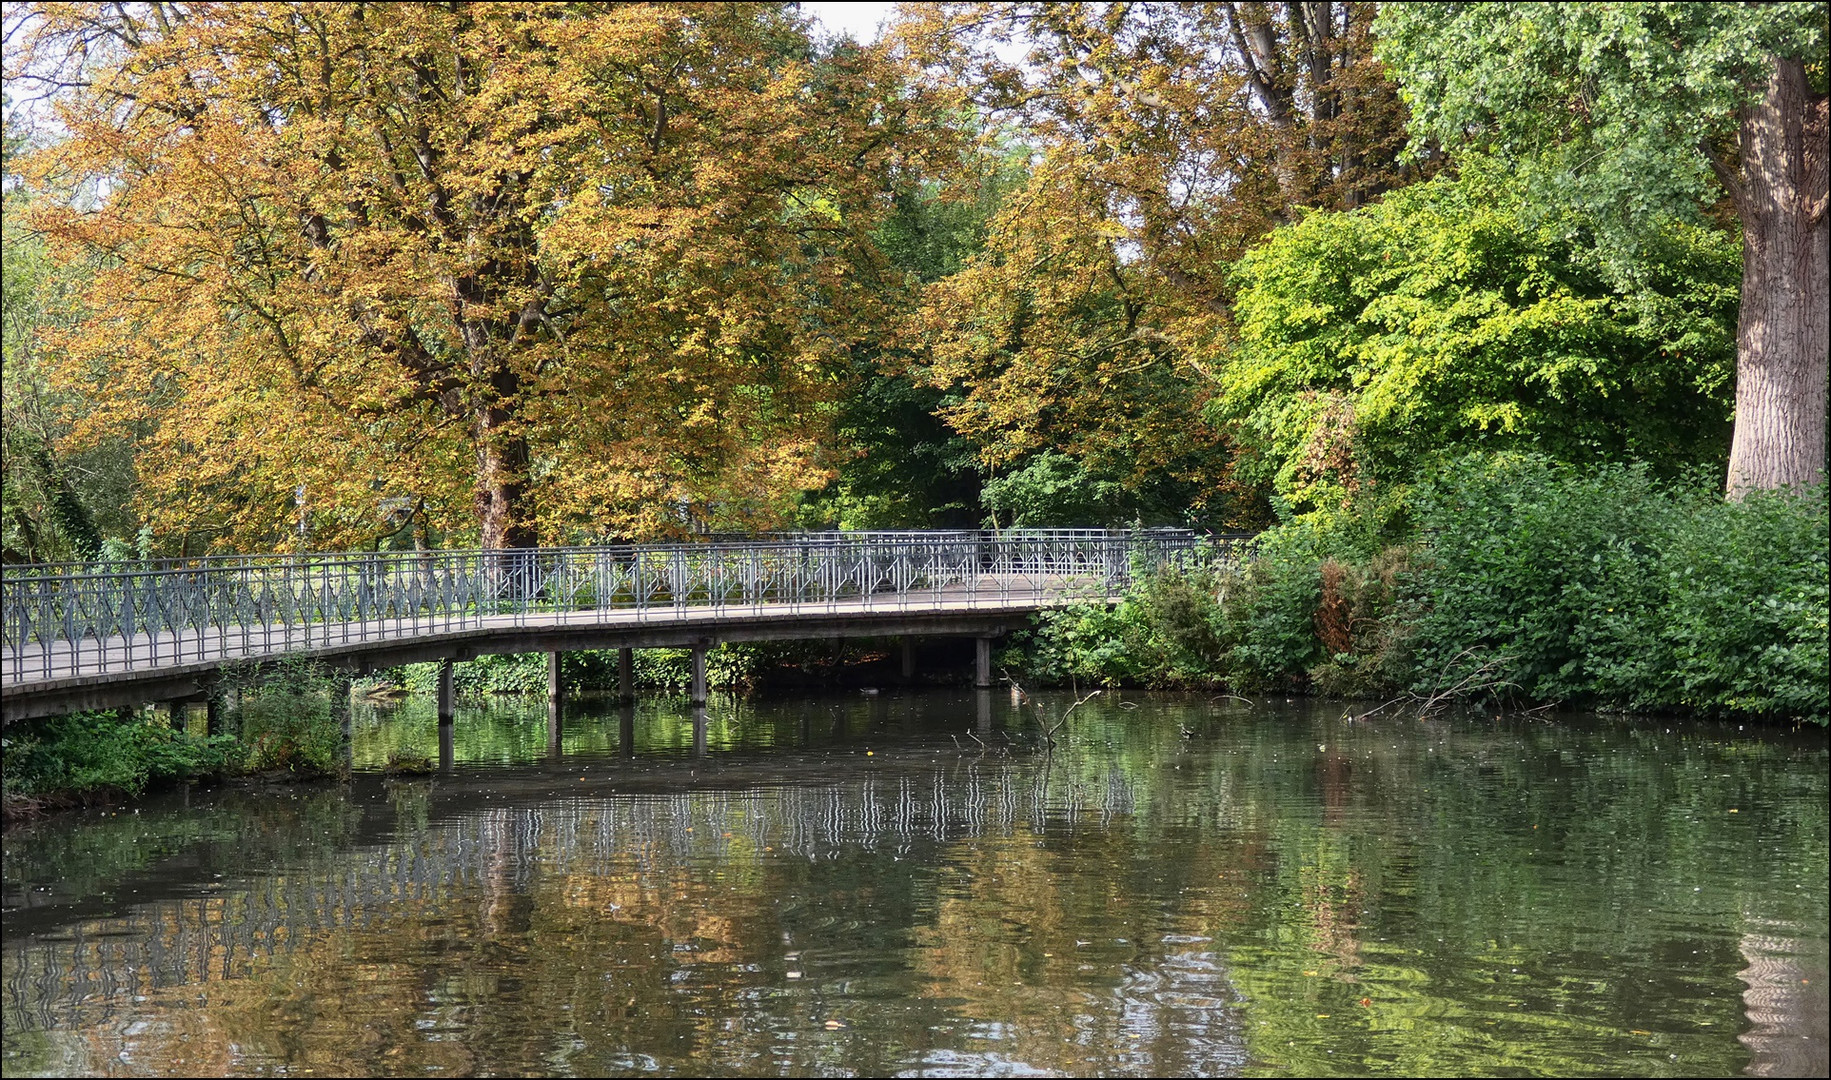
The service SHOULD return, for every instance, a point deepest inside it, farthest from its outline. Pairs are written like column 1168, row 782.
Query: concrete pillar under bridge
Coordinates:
column 697, row 695
column 982, row 662
column 222, row 702
column 343, row 688
column 178, row 713
column 556, row 699
column 626, row 675
column 447, row 702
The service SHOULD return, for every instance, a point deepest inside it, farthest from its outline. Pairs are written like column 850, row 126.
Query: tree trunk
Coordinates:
column 502, row 470
column 1784, row 337
column 502, row 458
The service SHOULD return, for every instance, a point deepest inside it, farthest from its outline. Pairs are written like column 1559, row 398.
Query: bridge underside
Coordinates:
column 173, row 681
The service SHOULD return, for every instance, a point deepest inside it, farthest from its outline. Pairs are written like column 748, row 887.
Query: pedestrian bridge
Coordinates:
column 99, row 635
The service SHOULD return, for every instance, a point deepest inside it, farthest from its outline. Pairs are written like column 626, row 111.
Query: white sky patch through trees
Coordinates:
column 861, row 21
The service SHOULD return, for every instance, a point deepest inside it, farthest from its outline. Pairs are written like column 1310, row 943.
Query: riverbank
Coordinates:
column 1510, row 579
column 286, row 727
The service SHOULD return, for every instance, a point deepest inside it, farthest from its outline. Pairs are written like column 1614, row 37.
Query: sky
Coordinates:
column 860, row 20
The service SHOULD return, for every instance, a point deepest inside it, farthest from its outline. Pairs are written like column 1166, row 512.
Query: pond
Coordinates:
column 906, row 884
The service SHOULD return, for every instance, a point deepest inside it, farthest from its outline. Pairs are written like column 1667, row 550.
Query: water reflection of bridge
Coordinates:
column 432, row 861
column 89, row 636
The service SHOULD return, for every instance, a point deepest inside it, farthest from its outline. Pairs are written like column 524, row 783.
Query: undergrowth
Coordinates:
column 1508, row 577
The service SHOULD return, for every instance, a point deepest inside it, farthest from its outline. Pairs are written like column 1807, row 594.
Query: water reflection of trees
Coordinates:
column 1531, row 898
column 665, row 919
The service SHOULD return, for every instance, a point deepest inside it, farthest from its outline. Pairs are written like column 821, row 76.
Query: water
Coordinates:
column 893, row 885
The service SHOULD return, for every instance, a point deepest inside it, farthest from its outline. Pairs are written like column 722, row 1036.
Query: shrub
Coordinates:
column 288, row 721
column 1744, row 620
column 1522, row 577
column 1612, row 588
column 1538, row 578
column 1368, row 648
column 1087, row 643
column 92, row 753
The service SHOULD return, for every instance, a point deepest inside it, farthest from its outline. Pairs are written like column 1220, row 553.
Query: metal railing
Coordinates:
column 62, row 620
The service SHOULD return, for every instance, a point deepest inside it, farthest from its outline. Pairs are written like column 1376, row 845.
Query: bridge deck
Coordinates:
column 94, row 635
column 45, row 678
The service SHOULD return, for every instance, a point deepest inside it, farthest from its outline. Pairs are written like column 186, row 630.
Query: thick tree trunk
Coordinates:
column 1784, row 338
column 502, row 470
column 502, row 466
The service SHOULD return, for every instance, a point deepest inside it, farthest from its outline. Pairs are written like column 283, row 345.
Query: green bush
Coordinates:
column 1268, row 612
column 94, row 752
column 289, row 721
column 1540, row 579
column 1609, row 587
column 1515, row 576
column 1744, row 620
column 1087, row 644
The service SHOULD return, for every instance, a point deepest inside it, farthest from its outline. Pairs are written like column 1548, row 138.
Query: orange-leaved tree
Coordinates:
column 506, row 272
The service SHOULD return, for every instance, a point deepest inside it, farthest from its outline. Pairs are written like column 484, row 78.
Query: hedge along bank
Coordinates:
column 1507, row 576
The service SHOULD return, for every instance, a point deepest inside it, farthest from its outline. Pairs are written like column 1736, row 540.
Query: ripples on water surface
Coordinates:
column 851, row 886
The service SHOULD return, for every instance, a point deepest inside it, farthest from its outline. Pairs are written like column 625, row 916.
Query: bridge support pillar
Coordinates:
column 556, row 697
column 626, row 675
column 446, row 697
column 982, row 663
column 343, row 688
column 218, row 706
column 699, row 675
column 908, row 658
column 178, row 713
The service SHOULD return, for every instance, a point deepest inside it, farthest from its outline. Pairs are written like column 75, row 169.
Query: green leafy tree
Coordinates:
column 1449, row 317
column 1634, row 111
column 905, row 467
column 53, row 504
column 1165, row 140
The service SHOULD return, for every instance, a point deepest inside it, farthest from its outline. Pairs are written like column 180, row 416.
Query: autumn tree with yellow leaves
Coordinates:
column 506, row 273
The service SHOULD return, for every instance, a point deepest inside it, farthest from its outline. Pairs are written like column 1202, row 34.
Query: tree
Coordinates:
column 53, row 506
column 1379, row 343
column 502, row 271
column 902, row 466
column 1632, row 110
column 1165, row 140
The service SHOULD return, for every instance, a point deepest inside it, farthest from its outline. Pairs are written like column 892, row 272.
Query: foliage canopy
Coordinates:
column 513, row 273
column 1377, row 344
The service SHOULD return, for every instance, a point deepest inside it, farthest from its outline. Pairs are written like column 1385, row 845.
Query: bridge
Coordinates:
column 97, row 636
